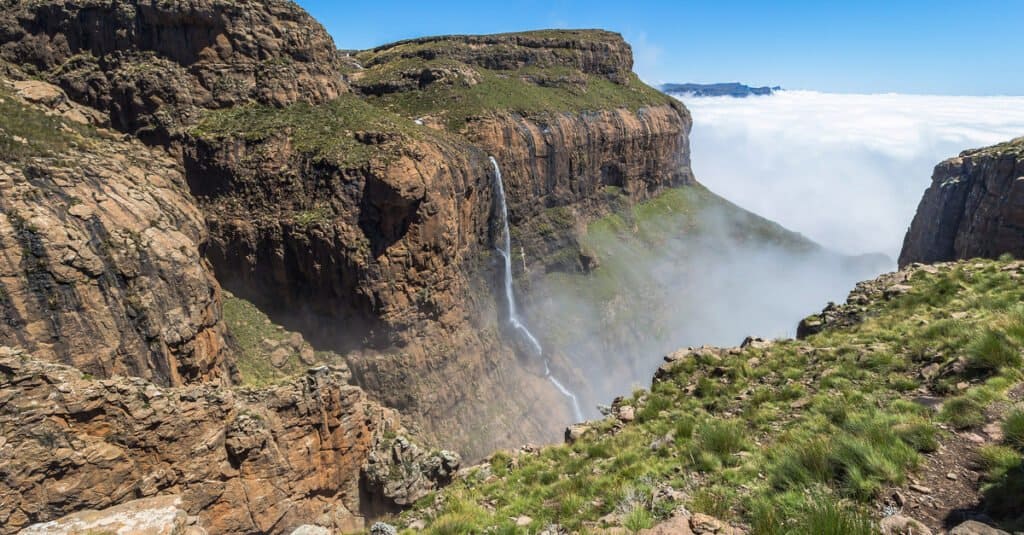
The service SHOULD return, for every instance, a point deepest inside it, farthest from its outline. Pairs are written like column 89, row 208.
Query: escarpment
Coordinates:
column 973, row 208
column 366, row 221
column 350, row 197
column 151, row 66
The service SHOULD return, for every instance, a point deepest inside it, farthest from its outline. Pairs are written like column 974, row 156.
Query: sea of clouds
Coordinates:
column 846, row 170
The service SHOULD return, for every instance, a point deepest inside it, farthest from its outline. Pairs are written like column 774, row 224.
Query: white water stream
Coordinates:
column 513, row 316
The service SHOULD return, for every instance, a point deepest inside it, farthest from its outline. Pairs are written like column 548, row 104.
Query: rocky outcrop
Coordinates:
column 243, row 461
column 152, row 65
column 347, row 216
column 973, row 208
column 99, row 255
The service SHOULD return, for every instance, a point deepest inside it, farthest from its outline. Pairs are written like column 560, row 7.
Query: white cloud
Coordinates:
column 846, row 170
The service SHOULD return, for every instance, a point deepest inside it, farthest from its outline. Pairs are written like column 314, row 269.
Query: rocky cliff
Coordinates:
column 367, row 221
column 100, row 265
column 150, row 66
column 314, row 450
column 974, row 207
column 349, row 196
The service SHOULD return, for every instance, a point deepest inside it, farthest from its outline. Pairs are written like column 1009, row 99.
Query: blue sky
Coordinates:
column 909, row 46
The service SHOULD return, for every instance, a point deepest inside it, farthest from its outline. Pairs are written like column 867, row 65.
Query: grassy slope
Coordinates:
column 27, row 132
column 255, row 336
column 783, row 437
column 636, row 235
column 326, row 131
column 564, row 91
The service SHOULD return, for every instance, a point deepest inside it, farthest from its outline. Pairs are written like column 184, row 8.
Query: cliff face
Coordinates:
column 151, row 65
column 974, row 207
column 120, row 384
column 377, row 238
column 99, row 260
column 363, row 216
column 242, row 461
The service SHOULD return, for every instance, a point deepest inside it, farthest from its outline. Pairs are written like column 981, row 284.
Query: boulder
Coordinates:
column 902, row 525
column 159, row 515
column 973, row 527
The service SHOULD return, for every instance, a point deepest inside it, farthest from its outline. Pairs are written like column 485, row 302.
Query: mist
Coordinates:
column 845, row 171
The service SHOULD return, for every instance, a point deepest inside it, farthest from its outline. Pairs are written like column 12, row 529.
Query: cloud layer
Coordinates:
column 846, row 170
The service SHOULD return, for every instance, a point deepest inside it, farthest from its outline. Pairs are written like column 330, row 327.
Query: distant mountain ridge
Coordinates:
column 731, row 89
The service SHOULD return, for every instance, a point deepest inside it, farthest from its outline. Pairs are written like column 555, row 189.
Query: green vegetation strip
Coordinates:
column 335, row 131
column 527, row 91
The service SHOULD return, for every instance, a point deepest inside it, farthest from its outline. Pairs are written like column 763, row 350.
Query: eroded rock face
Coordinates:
column 100, row 264
column 243, row 461
column 387, row 261
column 974, row 207
column 150, row 65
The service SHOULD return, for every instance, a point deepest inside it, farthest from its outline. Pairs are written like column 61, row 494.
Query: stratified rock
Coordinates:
column 99, row 257
column 242, row 461
column 152, row 65
column 974, row 207
column 588, row 51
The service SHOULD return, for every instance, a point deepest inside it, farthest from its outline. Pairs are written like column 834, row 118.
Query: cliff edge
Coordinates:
column 973, row 208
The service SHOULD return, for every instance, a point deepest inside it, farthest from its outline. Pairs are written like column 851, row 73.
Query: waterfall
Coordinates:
column 510, row 299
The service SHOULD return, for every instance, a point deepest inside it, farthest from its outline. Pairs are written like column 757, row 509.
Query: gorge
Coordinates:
column 271, row 286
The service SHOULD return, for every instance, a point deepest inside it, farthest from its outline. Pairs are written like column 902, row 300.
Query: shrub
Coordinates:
column 826, row 517
column 991, row 351
column 717, row 443
column 962, row 413
column 921, row 436
column 1013, row 429
column 638, row 518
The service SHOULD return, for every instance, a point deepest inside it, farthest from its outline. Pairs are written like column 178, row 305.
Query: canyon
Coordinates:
column 261, row 284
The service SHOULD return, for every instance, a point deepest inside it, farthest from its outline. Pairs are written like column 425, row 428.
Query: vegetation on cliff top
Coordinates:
column 347, row 130
column 772, row 434
column 529, row 91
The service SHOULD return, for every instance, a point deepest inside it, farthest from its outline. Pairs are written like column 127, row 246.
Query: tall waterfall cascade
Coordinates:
column 510, row 299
